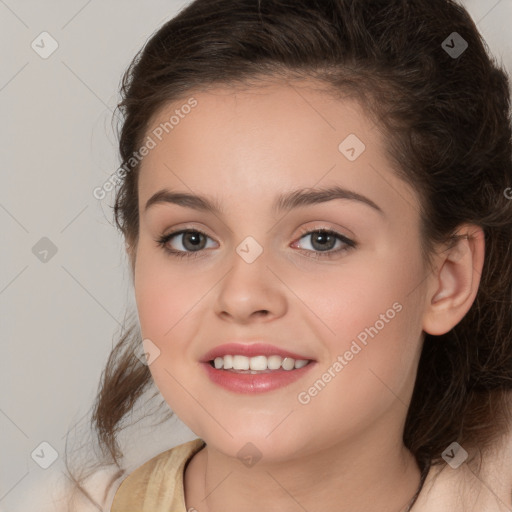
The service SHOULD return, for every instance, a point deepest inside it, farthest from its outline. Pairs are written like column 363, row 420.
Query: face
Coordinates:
column 349, row 301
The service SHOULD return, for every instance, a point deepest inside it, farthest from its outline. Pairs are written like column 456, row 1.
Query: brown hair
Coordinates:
column 447, row 121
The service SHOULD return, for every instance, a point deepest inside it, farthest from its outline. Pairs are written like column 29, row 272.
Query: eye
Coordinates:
column 190, row 240
column 324, row 240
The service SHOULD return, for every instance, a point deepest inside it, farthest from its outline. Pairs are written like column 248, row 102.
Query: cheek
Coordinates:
column 371, row 319
column 165, row 299
column 351, row 297
column 170, row 305
column 164, row 294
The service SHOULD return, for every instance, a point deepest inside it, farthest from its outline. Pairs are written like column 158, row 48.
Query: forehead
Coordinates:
column 239, row 141
column 305, row 109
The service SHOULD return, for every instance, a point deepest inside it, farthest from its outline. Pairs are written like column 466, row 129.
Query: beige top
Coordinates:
column 157, row 485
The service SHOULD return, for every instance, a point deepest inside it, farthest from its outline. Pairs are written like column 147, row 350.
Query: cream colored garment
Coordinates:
column 157, row 485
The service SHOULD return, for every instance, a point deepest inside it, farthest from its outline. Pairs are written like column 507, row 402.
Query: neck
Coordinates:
column 355, row 475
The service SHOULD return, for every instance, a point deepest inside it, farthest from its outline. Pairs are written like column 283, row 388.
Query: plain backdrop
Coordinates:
column 64, row 279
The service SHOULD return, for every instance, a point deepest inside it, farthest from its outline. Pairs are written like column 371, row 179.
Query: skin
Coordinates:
column 343, row 450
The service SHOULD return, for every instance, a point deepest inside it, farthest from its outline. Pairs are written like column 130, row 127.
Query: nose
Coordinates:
column 251, row 292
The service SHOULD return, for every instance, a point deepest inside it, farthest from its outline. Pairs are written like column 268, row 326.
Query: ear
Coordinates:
column 453, row 286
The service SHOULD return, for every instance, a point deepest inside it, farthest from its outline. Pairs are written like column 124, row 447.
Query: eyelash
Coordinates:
column 349, row 244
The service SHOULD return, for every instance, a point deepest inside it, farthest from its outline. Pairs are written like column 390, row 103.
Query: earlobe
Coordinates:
column 455, row 283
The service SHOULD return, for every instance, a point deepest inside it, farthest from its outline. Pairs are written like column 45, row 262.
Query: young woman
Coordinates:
column 316, row 202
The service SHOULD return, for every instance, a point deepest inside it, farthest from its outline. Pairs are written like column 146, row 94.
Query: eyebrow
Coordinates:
column 284, row 202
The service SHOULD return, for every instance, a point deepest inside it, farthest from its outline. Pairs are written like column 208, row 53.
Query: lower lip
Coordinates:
column 248, row 383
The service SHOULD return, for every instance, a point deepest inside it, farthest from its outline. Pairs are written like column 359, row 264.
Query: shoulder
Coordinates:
column 486, row 487
column 158, row 482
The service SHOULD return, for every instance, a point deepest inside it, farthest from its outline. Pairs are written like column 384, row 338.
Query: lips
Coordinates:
column 255, row 380
column 251, row 350
column 260, row 382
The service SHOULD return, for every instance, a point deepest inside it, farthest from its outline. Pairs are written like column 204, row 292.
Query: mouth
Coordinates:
column 254, row 368
column 250, row 368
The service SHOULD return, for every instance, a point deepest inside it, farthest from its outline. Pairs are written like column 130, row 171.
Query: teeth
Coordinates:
column 274, row 362
column 288, row 363
column 240, row 363
column 258, row 363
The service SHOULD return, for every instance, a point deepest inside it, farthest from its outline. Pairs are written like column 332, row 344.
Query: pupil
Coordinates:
column 195, row 242
column 322, row 238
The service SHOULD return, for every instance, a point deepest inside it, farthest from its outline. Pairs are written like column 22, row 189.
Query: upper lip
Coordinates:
column 250, row 350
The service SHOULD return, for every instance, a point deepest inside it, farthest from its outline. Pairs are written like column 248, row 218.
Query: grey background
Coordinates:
column 60, row 318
